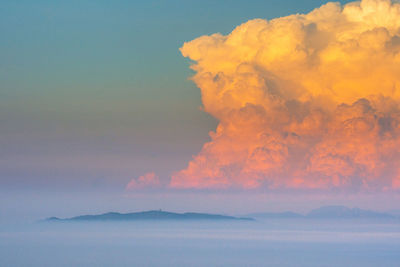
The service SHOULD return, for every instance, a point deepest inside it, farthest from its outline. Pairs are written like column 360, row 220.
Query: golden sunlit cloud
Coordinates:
column 304, row 101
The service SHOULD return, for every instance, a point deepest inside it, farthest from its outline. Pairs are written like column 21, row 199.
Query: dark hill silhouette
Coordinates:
column 148, row 215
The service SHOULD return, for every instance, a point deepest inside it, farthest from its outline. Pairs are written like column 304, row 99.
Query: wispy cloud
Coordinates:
column 148, row 180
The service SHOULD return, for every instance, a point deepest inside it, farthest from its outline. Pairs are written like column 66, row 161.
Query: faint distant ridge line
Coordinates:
column 327, row 212
column 156, row 215
column 285, row 214
column 345, row 212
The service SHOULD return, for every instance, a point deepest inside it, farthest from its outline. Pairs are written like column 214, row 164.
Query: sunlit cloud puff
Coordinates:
column 148, row 180
column 305, row 101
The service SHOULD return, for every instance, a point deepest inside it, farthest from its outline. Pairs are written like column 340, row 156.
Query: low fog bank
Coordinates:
column 277, row 242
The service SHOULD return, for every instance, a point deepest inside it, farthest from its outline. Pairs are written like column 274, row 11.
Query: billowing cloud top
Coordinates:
column 304, row 101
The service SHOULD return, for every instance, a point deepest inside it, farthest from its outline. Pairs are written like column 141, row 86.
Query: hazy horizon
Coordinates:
column 102, row 117
column 221, row 107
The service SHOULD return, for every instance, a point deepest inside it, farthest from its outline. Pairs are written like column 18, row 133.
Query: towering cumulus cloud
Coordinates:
column 304, row 101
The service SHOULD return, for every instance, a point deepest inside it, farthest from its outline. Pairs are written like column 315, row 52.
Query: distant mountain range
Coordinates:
column 327, row 212
column 155, row 215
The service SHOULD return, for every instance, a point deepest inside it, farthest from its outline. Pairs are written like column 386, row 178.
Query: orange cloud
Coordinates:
column 148, row 180
column 304, row 101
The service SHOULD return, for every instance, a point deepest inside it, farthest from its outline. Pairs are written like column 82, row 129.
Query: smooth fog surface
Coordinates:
column 260, row 243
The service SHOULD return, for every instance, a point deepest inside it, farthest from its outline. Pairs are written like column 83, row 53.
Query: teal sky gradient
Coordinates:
column 96, row 92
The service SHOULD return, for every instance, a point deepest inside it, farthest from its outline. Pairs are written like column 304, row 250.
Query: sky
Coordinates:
column 98, row 109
